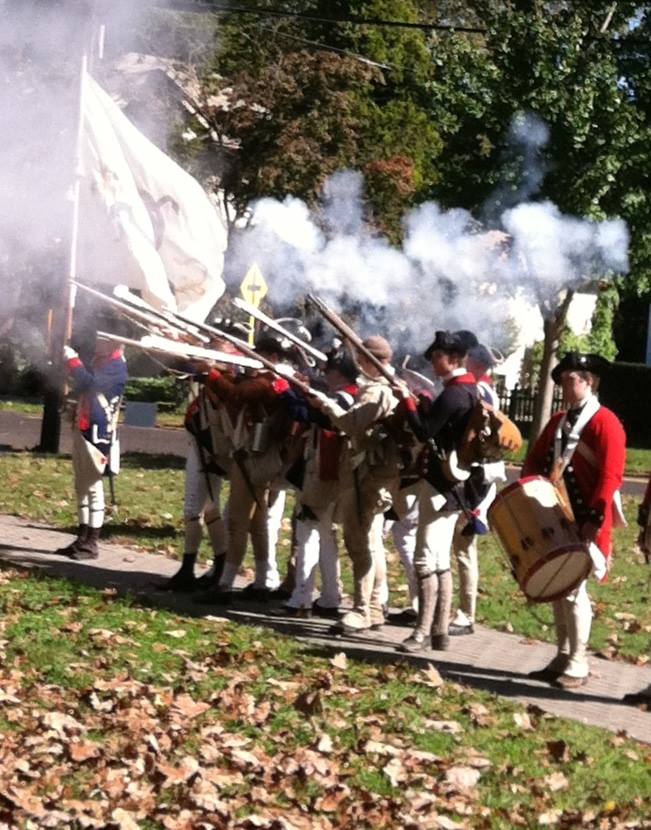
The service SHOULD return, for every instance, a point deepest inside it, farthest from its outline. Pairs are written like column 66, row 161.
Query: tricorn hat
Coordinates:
column 451, row 342
column 578, row 362
column 482, row 355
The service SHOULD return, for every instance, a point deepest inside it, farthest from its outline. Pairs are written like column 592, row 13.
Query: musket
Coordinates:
column 122, row 293
column 351, row 335
column 243, row 347
column 175, row 318
column 415, row 381
column 148, row 319
column 252, row 311
column 154, row 343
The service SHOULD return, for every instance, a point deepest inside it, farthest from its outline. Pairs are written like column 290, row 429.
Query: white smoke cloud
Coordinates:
column 448, row 273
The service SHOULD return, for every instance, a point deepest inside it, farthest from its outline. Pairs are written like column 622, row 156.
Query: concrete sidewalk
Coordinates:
column 489, row 660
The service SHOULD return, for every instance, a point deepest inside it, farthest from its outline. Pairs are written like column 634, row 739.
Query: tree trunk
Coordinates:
column 553, row 328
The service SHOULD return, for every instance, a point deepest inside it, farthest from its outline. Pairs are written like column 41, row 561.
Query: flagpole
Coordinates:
column 54, row 395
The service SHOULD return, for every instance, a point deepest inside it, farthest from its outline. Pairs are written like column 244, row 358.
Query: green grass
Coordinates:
column 131, row 678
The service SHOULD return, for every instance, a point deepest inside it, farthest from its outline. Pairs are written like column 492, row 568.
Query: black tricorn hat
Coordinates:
column 482, row 355
column 452, row 342
column 578, row 362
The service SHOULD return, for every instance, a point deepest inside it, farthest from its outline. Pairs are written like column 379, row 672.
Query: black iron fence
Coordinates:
column 519, row 403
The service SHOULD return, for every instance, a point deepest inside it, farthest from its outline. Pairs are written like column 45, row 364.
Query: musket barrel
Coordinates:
column 350, row 334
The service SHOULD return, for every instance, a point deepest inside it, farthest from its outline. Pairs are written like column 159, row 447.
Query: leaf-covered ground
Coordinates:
column 150, row 493
column 125, row 717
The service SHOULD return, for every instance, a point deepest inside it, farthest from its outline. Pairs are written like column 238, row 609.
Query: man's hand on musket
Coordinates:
column 317, row 399
column 201, row 367
column 401, row 390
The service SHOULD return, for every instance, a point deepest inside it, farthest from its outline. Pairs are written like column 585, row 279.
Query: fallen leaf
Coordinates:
column 189, row 708
column 178, row 633
column 463, row 778
column 177, row 775
column 82, row 751
column 124, row 819
column 431, row 677
column 395, row 772
column 549, row 818
column 324, row 744
column 61, row 723
column 377, row 748
column 449, row 726
column 340, row 661
column 556, row 781
column 522, row 720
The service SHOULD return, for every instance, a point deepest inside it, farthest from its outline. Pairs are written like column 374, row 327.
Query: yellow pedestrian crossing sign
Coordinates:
column 253, row 288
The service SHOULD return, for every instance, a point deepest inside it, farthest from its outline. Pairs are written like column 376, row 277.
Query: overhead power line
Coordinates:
column 209, row 7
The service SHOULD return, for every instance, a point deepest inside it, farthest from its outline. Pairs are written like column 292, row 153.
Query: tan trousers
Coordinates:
column 244, row 517
column 363, row 519
column 465, row 552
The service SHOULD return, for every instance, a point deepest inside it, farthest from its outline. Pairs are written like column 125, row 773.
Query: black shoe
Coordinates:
column 211, row 578
column 459, row 630
column 84, row 552
column 87, row 548
column 69, row 549
column 297, row 613
column 638, row 699
column 207, row 581
column 331, row 613
column 214, row 597
column 256, row 594
column 281, row 593
column 406, row 617
column 183, row 581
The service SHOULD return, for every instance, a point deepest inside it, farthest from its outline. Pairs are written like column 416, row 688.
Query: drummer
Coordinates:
column 583, row 448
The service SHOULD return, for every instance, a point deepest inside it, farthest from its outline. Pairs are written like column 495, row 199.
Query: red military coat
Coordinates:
column 595, row 470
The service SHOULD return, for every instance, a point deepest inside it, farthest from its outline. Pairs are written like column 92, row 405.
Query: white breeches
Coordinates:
column 465, row 552
column 434, row 535
column 316, row 544
column 90, row 505
column 266, row 574
column 573, row 621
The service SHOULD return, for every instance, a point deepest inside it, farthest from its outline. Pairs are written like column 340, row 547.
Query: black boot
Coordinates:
column 211, row 578
column 183, row 579
column 88, row 548
column 82, row 533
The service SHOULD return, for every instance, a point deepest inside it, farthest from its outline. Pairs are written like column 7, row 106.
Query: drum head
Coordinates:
column 557, row 575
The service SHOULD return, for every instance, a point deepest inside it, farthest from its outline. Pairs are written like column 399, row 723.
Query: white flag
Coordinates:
column 144, row 220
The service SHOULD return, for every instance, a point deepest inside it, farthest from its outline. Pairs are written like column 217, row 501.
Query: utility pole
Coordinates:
column 54, row 393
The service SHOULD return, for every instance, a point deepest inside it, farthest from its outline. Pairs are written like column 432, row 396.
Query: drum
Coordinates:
column 537, row 531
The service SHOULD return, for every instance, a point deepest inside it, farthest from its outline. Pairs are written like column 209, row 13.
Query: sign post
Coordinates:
column 253, row 289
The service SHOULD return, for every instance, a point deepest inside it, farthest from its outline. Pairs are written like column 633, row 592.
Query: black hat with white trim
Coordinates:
column 578, row 362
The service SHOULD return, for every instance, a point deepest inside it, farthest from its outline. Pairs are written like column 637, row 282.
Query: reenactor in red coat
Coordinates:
column 583, row 447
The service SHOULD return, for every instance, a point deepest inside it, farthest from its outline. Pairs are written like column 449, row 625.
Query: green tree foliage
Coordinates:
column 297, row 113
